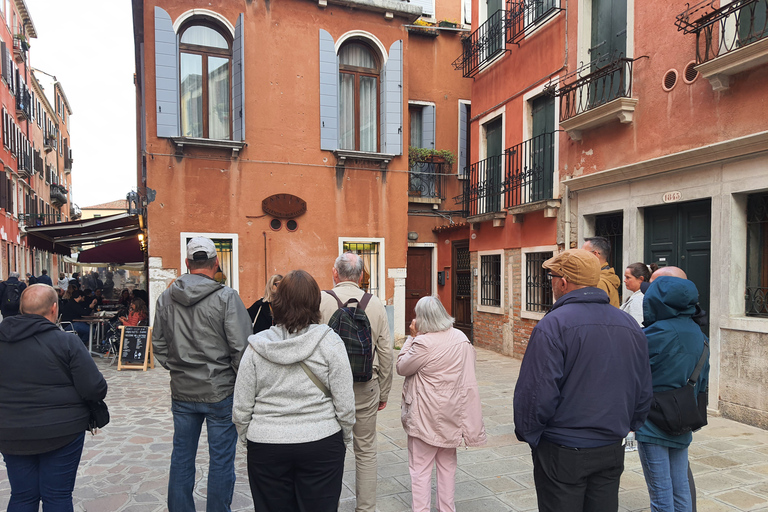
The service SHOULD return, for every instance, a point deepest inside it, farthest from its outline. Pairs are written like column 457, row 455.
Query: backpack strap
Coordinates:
column 695, row 375
column 364, row 301
column 330, row 292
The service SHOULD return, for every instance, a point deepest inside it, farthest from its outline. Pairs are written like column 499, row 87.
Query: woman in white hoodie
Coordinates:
column 295, row 418
column 634, row 276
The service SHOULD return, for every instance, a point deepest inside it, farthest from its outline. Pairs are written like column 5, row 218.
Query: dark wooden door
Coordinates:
column 418, row 283
column 680, row 235
column 542, row 147
column 462, row 287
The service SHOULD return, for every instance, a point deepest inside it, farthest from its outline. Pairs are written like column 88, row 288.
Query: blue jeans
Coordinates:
column 49, row 477
column 188, row 420
column 83, row 330
column 666, row 474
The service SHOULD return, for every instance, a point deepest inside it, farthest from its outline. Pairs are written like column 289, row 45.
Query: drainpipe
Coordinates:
column 567, row 222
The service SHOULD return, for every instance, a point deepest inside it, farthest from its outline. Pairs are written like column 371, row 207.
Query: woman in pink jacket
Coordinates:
column 441, row 403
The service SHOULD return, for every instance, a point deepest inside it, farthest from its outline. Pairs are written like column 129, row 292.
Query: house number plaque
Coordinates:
column 284, row 206
column 672, row 197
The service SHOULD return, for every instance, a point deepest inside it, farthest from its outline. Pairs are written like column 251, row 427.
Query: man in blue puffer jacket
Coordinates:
column 675, row 344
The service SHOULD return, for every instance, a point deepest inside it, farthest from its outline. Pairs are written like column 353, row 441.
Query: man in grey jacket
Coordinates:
column 371, row 396
column 200, row 331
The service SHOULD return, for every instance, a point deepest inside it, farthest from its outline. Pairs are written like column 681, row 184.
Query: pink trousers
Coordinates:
column 421, row 457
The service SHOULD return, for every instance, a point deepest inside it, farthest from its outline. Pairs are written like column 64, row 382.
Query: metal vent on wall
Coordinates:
column 690, row 74
column 670, row 79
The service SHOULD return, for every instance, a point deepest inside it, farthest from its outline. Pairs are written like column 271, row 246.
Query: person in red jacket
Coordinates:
column 137, row 313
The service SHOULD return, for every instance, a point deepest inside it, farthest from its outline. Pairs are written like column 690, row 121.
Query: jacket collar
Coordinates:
column 582, row 295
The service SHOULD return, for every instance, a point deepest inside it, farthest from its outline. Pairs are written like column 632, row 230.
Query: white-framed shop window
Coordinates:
column 371, row 251
column 535, row 288
column 490, row 281
column 227, row 250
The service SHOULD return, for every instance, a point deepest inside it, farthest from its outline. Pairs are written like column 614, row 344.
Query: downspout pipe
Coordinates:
column 567, row 221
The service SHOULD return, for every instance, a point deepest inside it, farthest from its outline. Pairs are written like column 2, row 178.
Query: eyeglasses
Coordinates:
column 551, row 276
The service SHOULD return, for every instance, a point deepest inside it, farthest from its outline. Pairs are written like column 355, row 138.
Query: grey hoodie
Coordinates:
column 199, row 334
column 275, row 401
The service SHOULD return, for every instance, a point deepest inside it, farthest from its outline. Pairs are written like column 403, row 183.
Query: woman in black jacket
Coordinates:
column 46, row 378
column 261, row 310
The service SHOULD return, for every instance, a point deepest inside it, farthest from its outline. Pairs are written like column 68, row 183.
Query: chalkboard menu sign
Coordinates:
column 135, row 348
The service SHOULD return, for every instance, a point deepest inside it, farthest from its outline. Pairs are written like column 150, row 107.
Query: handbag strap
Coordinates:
column 312, row 376
column 257, row 316
column 696, row 371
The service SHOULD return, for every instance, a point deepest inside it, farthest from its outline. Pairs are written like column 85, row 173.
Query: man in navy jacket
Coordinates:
column 584, row 384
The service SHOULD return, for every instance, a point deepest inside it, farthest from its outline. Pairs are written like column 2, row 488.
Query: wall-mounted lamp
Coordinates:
column 412, row 235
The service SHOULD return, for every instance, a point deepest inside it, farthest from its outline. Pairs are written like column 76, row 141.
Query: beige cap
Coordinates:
column 578, row 266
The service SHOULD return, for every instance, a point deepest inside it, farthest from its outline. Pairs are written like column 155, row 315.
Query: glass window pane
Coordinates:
column 368, row 120
column 356, row 54
column 204, row 36
column 218, row 98
column 346, row 111
column 416, row 136
column 191, row 95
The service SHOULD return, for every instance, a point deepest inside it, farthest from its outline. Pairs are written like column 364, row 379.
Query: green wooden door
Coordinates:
column 542, row 148
column 680, row 235
column 493, row 166
column 608, row 43
column 495, row 30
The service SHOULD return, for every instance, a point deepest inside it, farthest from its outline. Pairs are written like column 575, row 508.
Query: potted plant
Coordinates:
column 437, row 156
column 448, row 24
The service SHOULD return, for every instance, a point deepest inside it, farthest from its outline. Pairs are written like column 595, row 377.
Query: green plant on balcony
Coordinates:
column 416, row 155
column 448, row 23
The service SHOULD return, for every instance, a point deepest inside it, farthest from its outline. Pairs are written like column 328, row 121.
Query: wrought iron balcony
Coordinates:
column 20, row 47
column 523, row 15
column 609, row 79
column 485, row 188
column 49, row 143
column 58, row 195
column 426, row 178
column 530, row 170
column 23, row 104
column 723, row 30
column 483, row 45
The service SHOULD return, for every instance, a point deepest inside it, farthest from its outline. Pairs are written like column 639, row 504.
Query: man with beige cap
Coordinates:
column 584, row 384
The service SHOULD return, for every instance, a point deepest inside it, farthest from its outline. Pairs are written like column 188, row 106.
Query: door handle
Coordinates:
column 413, row 294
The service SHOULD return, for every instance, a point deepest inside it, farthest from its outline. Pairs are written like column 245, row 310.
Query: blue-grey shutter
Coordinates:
column 166, row 75
column 329, row 93
column 383, row 109
column 427, row 6
column 393, row 83
column 238, row 82
column 463, row 138
column 428, row 127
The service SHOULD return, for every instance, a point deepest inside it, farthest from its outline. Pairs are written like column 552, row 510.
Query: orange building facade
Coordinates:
column 35, row 187
column 282, row 131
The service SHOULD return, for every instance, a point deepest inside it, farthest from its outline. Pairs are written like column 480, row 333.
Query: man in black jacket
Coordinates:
column 46, row 376
column 76, row 307
column 10, row 295
column 584, row 383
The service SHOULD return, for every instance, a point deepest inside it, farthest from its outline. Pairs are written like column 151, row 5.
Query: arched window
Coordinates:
column 358, row 97
column 205, row 85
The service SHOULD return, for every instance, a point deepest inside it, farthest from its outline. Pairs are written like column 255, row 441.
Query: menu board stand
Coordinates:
column 135, row 348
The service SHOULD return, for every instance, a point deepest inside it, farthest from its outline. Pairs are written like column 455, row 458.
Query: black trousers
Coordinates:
column 577, row 480
column 302, row 477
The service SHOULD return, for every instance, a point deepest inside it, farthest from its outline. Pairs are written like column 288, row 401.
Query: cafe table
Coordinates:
column 95, row 324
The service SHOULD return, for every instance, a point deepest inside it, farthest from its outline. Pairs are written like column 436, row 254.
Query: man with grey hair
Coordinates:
column 609, row 281
column 371, row 396
column 200, row 332
column 10, row 295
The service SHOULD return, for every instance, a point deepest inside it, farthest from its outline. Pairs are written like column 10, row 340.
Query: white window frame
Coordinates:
column 524, row 313
column 234, row 279
column 458, row 138
column 537, row 26
column 585, row 30
column 500, row 309
column 483, row 139
column 382, row 294
column 528, row 130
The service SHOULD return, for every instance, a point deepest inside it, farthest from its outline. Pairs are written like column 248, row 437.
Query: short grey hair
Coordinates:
column 349, row 266
column 431, row 316
column 13, row 274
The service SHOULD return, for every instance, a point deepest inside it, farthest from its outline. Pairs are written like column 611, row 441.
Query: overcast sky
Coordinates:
column 88, row 46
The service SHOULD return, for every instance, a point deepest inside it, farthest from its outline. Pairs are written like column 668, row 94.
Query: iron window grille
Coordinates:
column 594, row 84
column 490, row 280
column 523, row 15
column 725, row 29
column 538, row 287
column 369, row 253
column 756, row 295
column 482, row 45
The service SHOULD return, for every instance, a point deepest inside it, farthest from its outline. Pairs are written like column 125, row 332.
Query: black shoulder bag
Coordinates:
column 678, row 411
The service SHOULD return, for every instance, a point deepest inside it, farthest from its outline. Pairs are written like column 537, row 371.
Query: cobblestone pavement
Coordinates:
column 125, row 468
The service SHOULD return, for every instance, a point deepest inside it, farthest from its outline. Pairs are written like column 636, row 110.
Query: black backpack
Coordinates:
column 352, row 325
column 12, row 296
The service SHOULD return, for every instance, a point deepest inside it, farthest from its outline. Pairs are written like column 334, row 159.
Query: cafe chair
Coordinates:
column 66, row 326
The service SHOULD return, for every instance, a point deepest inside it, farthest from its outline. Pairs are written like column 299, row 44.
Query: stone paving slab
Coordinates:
column 125, row 468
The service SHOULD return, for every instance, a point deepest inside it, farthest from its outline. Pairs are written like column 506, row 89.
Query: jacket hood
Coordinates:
column 17, row 328
column 277, row 346
column 189, row 289
column 609, row 275
column 669, row 297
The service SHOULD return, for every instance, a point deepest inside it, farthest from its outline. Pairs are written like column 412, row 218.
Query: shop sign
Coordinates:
column 672, row 197
column 284, row 206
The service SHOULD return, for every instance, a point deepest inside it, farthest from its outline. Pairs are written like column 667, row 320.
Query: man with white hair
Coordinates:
column 10, row 295
column 371, row 396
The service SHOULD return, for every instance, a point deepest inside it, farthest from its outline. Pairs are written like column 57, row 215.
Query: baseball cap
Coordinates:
column 198, row 245
column 578, row 266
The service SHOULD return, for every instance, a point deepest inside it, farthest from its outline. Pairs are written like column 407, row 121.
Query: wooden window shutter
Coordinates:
column 166, row 75
column 393, row 105
column 329, row 93
column 238, row 82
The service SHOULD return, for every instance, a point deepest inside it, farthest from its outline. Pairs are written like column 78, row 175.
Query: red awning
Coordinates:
column 127, row 250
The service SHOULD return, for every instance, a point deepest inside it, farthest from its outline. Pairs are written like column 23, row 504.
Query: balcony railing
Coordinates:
column 482, row 45
column 426, row 178
column 20, row 47
column 611, row 79
column 38, row 219
column 23, row 107
column 523, row 174
column 530, row 170
column 523, row 15
column 49, row 143
column 721, row 31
